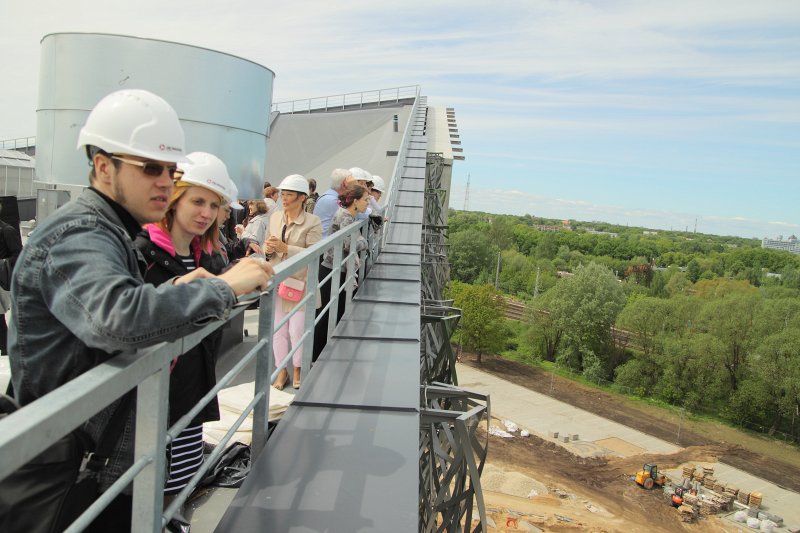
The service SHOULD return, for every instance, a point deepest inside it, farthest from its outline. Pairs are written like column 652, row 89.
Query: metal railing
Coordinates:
column 357, row 100
column 29, row 431
column 34, row 428
column 16, row 144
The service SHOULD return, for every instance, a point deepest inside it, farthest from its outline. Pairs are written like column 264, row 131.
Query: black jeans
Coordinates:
column 321, row 329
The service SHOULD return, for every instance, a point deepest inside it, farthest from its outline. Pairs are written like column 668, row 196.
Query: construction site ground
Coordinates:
column 543, row 483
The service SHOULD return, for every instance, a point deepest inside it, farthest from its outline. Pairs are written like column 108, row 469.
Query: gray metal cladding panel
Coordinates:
column 402, row 248
column 389, row 291
column 390, row 258
column 332, row 470
column 413, row 184
column 405, row 234
column 411, row 198
column 395, row 272
column 366, row 373
column 414, row 173
column 369, row 320
column 408, row 214
column 422, row 154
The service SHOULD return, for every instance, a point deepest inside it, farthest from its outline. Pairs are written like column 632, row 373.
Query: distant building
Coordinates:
column 609, row 233
column 647, row 232
column 790, row 245
column 542, row 227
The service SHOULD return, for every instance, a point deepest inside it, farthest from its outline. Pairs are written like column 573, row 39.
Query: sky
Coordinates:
column 664, row 114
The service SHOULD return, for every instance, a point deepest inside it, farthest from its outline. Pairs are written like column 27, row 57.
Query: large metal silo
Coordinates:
column 223, row 101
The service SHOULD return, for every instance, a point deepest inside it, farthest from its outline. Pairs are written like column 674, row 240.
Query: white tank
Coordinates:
column 223, row 101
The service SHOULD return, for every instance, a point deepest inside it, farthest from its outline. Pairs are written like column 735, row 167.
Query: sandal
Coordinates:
column 296, row 378
column 280, row 381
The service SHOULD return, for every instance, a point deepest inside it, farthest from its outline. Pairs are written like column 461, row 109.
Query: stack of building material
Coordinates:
column 755, row 499
column 690, row 499
column 743, row 497
column 709, row 507
column 719, row 487
column 709, row 481
column 708, row 470
column 688, row 471
column 752, row 511
column 733, row 490
column 688, row 513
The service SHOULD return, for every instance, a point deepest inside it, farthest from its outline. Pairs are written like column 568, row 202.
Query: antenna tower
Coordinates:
column 466, row 195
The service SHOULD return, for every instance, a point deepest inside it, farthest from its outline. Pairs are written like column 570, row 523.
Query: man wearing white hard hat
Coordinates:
column 291, row 231
column 78, row 289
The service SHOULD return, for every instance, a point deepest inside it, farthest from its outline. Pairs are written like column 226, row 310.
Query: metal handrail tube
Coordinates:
column 411, row 91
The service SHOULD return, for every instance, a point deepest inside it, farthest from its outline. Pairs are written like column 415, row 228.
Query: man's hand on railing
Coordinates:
column 248, row 275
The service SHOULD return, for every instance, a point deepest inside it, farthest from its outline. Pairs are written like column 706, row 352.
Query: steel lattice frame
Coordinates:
column 451, row 457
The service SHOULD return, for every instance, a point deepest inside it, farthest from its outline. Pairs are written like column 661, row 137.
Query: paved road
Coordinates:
column 542, row 414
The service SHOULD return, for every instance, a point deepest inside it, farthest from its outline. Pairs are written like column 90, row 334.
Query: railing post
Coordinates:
column 264, row 365
column 333, row 310
column 351, row 268
column 152, row 398
column 312, row 280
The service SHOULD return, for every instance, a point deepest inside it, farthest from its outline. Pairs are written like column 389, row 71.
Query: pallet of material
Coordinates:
column 688, row 471
column 743, row 497
column 689, row 499
column 732, row 489
column 719, row 488
column 708, row 470
column 688, row 514
column 708, row 508
column 755, row 499
column 709, row 482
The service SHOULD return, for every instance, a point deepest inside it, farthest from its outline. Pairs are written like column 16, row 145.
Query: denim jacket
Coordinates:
column 79, row 298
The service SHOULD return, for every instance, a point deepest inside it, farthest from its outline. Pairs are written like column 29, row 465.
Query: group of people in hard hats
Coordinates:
column 138, row 258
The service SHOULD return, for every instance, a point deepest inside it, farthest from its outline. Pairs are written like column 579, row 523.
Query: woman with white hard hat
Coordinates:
column 291, row 230
column 186, row 240
column 375, row 194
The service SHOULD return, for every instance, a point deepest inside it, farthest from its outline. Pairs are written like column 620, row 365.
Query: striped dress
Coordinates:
column 186, row 451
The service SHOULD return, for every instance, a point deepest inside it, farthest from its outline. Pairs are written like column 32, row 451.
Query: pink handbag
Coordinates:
column 291, row 289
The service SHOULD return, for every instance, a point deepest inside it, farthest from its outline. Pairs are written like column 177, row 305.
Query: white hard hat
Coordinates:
column 359, row 174
column 208, row 171
column 378, row 184
column 234, row 203
column 294, row 182
column 135, row 122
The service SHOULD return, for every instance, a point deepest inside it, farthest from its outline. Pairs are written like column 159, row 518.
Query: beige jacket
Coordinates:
column 304, row 231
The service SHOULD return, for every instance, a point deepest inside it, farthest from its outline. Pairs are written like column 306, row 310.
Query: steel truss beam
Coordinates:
column 452, row 458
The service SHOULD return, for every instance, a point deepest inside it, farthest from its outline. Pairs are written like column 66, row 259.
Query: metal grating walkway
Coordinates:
column 346, row 455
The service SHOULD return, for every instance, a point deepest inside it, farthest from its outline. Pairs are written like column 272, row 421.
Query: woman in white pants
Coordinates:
column 290, row 231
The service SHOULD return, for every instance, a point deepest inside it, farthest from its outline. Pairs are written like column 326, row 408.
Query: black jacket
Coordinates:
column 193, row 375
column 10, row 243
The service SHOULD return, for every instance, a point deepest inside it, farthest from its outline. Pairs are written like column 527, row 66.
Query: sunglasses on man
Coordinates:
column 150, row 168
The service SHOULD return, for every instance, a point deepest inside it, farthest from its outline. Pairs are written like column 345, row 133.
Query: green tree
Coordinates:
column 471, row 253
column 546, row 327
column 731, row 321
column 693, row 270
column 587, row 304
column 482, row 327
